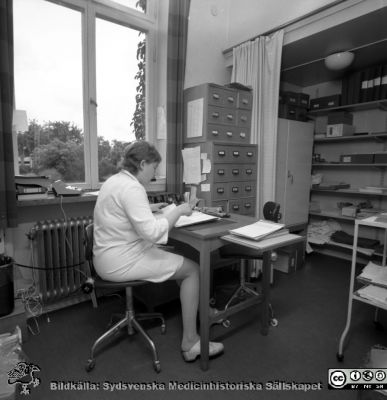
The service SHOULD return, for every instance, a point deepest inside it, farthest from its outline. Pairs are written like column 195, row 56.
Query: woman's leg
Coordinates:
column 188, row 277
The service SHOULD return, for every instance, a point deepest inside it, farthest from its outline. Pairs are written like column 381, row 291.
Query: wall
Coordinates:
column 215, row 25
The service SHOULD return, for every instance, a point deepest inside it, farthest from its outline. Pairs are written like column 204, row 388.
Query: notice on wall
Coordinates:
column 191, row 165
column 206, row 166
column 205, row 187
column 195, row 118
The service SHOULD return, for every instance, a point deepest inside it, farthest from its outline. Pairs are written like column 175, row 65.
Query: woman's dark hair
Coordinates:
column 137, row 151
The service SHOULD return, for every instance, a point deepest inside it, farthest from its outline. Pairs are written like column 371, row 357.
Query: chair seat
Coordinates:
column 101, row 283
column 236, row 251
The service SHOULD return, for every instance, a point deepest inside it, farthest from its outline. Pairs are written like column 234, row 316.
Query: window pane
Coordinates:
column 139, row 5
column 48, row 86
column 117, row 86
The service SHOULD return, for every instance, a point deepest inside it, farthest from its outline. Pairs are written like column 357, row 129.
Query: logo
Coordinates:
column 337, row 378
column 24, row 374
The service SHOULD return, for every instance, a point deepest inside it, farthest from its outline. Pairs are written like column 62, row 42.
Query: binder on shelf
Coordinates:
column 383, row 83
column 377, row 82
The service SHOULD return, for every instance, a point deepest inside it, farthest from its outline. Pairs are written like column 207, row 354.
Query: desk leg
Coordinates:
column 266, row 272
column 204, row 296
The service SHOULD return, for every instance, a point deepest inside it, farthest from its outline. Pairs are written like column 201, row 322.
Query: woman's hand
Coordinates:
column 157, row 206
column 185, row 209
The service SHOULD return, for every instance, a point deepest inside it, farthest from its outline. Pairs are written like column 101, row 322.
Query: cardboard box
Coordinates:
column 357, row 158
column 325, row 102
column 337, row 130
column 340, row 117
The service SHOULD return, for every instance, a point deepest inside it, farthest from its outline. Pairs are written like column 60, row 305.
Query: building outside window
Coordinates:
column 84, row 79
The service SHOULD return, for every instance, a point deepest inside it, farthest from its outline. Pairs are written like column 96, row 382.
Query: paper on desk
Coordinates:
column 191, row 161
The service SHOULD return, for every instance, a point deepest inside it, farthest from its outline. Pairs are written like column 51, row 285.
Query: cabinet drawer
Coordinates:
column 218, row 115
column 222, row 173
column 228, row 133
column 221, row 96
column 220, row 191
column 243, row 172
column 245, row 206
column 243, row 118
column 245, row 100
column 241, row 189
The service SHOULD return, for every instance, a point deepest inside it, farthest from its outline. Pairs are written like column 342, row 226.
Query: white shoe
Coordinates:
column 215, row 349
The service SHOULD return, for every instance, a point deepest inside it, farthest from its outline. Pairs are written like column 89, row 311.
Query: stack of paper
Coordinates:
column 376, row 294
column 374, row 273
column 258, row 230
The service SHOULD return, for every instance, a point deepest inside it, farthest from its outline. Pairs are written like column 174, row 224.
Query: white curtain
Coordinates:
column 258, row 64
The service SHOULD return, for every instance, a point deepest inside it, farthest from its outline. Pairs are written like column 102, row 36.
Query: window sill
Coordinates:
column 51, row 199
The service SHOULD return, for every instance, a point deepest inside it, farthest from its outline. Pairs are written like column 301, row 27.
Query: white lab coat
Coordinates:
column 126, row 231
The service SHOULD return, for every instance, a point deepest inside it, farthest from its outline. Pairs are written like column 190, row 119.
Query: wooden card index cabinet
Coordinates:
column 218, row 119
column 214, row 112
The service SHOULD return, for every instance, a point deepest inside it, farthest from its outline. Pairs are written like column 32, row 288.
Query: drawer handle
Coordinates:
column 230, row 117
column 235, row 189
column 235, row 171
column 249, row 171
column 235, row 153
column 220, row 171
column 243, row 118
column 221, row 153
column 215, row 96
column 247, row 188
column 245, row 101
column 229, row 134
column 235, row 207
column 247, row 205
column 230, row 99
column 242, row 134
column 220, row 190
column 215, row 133
column 215, row 115
column 249, row 154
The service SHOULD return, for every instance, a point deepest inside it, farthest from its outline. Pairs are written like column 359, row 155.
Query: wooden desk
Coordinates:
column 207, row 237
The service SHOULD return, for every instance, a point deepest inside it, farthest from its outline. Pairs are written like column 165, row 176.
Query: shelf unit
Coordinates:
column 353, row 295
column 357, row 175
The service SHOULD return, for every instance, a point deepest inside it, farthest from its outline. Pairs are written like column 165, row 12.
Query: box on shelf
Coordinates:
column 340, row 117
column 349, row 211
column 357, row 158
column 380, row 157
column 325, row 102
column 289, row 111
column 337, row 130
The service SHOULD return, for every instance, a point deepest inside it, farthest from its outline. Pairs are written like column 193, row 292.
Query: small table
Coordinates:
column 206, row 238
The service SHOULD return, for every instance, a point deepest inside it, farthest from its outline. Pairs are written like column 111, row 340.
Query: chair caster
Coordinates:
column 340, row 357
column 212, row 301
column 274, row 322
column 90, row 365
column 226, row 323
column 163, row 328
column 157, row 366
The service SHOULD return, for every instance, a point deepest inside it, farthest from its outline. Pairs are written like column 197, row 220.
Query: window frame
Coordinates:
column 146, row 22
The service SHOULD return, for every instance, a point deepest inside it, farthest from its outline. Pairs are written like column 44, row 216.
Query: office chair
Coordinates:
column 130, row 319
column 271, row 212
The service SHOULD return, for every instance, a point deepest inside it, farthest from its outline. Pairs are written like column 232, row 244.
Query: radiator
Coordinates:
column 58, row 249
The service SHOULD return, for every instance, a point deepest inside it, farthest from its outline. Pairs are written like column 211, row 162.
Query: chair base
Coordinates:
column 131, row 321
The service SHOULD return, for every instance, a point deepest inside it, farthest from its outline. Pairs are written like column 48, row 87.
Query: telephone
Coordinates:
column 63, row 189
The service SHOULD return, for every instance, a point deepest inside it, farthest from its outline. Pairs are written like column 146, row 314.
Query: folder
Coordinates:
column 383, row 83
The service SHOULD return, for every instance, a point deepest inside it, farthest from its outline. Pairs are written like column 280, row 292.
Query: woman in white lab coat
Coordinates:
column 126, row 232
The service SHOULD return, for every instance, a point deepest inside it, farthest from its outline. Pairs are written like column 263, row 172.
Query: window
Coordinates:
column 77, row 75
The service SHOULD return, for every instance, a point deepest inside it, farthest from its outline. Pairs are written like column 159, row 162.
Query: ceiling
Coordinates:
column 366, row 36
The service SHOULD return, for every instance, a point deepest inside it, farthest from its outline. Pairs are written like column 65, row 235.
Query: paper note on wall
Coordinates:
column 191, row 164
column 195, row 118
column 205, row 187
column 206, row 166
